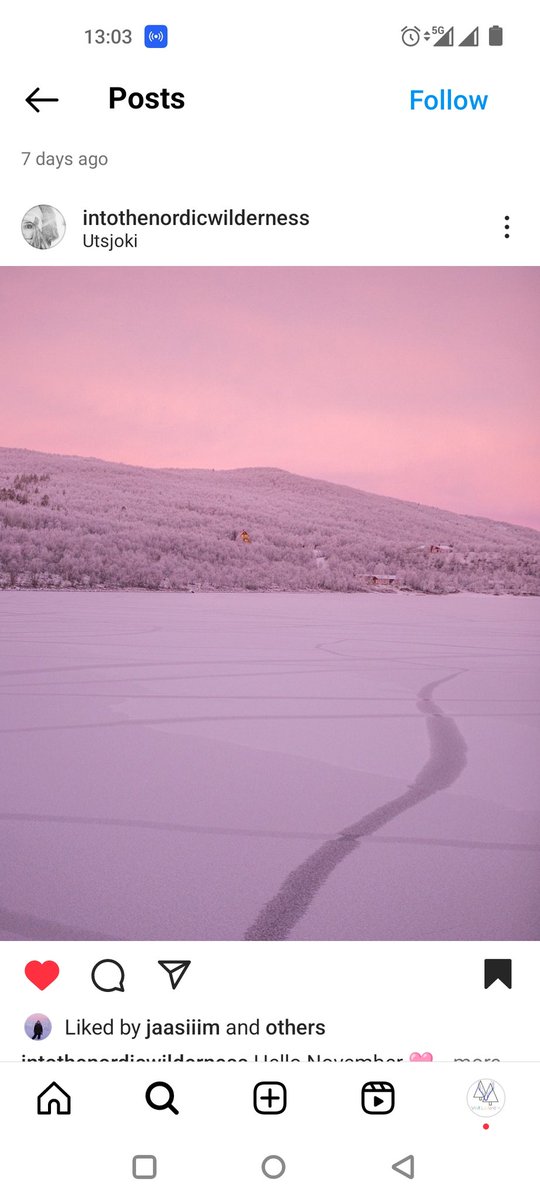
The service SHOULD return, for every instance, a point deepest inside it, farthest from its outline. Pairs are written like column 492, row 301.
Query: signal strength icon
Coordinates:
column 471, row 39
column 447, row 38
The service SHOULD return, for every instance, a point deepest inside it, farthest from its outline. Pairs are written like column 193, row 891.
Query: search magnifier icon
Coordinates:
column 163, row 1099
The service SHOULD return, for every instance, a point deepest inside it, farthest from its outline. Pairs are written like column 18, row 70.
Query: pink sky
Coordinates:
column 421, row 383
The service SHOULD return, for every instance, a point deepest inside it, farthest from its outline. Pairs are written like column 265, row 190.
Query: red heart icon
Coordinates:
column 42, row 974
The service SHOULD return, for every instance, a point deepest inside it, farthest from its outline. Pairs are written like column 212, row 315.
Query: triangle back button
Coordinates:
column 405, row 1166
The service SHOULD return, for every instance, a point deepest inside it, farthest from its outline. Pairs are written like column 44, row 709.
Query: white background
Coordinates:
column 216, row 1144
column 388, row 999
column 289, row 107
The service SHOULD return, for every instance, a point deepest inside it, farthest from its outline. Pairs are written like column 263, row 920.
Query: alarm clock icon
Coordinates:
column 410, row 35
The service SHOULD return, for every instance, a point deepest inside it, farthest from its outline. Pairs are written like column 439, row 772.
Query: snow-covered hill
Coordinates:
column 67, row 521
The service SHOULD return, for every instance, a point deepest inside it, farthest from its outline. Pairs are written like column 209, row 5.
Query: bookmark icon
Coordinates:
column 497, row 970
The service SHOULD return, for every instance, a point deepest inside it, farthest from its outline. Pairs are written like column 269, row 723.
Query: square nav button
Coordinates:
column 144, row 1166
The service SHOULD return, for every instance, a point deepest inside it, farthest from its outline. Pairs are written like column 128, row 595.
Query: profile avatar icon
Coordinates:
column 485, row 1097
column 43, row 227
column 37, row 1027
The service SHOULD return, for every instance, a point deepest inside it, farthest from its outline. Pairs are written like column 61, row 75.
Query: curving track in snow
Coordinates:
column 447, row 759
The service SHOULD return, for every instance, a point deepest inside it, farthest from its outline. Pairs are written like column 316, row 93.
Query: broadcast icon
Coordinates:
column 156, row 37
column 175, row 968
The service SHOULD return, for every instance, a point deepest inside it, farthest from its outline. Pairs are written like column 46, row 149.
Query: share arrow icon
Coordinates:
column 175, row 968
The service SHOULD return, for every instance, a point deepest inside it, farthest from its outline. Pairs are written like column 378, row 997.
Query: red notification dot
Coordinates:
column 485, row 1126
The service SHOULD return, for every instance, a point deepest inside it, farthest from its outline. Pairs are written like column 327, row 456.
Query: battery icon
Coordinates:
column 495, row 35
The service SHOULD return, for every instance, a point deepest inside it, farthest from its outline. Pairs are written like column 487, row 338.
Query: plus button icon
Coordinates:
column 270, row 1098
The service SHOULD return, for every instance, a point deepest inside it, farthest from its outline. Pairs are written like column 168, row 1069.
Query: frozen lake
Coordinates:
column 269, row 766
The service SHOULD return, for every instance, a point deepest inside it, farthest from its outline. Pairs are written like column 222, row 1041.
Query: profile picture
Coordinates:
column 43, row 227
column 37, row 1027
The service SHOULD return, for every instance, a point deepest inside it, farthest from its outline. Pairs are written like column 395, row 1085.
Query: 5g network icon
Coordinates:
column 156, row 36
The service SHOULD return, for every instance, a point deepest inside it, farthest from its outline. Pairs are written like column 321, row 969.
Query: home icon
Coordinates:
column 54, row 1100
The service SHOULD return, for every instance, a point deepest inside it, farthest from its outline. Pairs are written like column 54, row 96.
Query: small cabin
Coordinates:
column 245, row 536
column 384, row 580
column 440, row 548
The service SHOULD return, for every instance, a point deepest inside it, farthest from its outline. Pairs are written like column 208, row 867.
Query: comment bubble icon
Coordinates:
column 108, row 975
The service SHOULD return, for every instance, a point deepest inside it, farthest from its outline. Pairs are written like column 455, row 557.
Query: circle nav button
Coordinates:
column 273, row 1166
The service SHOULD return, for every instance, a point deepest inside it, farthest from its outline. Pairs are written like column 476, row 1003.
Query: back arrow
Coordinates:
column 33, row 99
column 405, row 1166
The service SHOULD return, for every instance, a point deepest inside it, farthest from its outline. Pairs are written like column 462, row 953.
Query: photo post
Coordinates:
column 269, row 601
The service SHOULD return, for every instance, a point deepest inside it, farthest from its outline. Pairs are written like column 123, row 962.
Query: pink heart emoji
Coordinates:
column 42, row 974
column 416, row 1057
